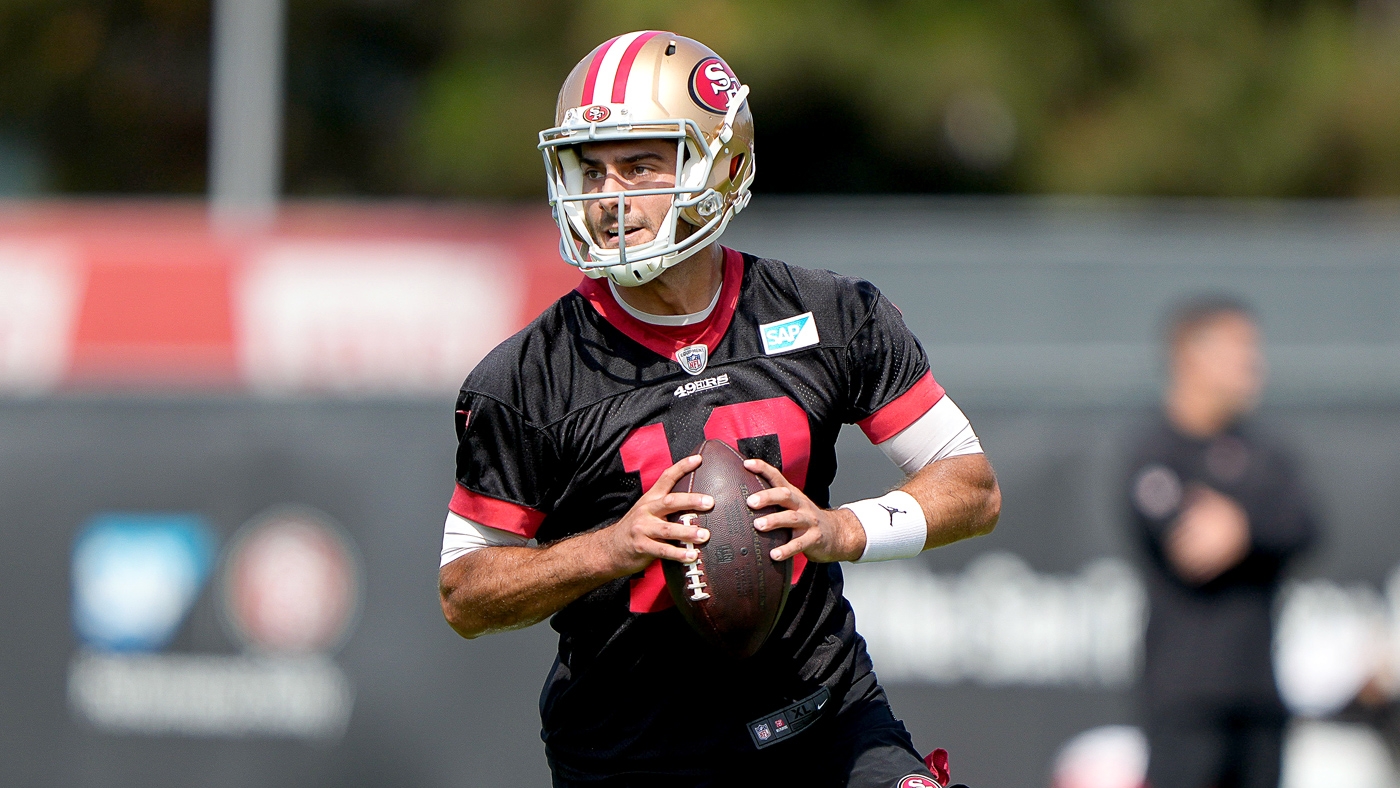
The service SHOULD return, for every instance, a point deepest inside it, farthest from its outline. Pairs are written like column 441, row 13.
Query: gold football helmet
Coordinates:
column 651, row 85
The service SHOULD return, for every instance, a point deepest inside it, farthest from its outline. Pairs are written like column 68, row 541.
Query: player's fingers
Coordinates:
column 673, row 474
column 799, row 542
column 786, row 497
column 683, row 502
column 788, row 518
column 669, row 551
column 678, row 532
column 770, row 474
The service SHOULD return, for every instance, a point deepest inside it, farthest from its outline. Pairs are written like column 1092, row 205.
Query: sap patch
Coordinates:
column 790, row 334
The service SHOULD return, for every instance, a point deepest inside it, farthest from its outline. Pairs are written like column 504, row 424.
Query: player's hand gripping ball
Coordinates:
column 734, row 592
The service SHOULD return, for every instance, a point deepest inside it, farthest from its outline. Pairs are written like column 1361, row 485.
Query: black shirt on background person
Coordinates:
column 1213, row 641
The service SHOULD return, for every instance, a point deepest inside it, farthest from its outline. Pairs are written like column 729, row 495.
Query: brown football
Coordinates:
column 735, row 592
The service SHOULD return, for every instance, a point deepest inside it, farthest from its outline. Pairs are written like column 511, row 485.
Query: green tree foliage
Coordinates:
column 1189, row 97
column 445, row 97
column 112, row 95
column 847, row 96
column 1224, row 97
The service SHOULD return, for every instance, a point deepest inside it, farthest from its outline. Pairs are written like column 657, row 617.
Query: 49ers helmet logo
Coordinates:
column 596, row 113
column 915, row 781
column 713, row 85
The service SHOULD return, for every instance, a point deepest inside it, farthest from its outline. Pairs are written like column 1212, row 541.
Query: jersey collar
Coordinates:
column 667, row 320
column 666, row 340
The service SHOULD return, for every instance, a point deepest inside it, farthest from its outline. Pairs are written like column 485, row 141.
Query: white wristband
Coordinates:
column 894, row 526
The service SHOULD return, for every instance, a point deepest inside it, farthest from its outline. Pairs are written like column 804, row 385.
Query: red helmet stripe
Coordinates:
column 624, row 67
column 592, row 79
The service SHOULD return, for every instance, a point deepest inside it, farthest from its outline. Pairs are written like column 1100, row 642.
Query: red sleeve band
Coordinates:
column 903, row 410
column 496, row 513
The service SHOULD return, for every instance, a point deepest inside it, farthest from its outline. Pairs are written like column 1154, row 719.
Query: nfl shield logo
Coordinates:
column 762, row 732
column 693, row 358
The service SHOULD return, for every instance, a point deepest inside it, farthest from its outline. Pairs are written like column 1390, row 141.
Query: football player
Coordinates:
column 573, row 432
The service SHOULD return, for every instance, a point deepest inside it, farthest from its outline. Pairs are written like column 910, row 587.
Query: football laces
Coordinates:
column 695, row 575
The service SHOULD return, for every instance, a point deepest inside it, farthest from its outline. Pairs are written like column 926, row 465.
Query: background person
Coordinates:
column 1220, row 511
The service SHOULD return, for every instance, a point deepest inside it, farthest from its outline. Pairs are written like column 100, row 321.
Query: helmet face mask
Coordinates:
column 659, row 91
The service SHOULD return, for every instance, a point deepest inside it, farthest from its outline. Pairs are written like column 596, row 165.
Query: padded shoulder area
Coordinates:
column 840, row 304
column 530, row 371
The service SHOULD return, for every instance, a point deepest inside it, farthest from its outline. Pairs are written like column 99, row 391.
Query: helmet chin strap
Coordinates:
column 634, row 275
column 630, row 274
column 665, row 236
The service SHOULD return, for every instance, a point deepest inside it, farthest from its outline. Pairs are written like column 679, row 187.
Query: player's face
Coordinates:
column 1225, row 359
column 625, row 166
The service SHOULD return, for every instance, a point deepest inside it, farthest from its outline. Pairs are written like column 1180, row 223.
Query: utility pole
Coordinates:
column 245, row 124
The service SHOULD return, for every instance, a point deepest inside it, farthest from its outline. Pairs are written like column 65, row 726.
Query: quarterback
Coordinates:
column 573, row 432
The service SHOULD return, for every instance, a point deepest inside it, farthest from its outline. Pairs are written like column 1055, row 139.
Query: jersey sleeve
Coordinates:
column 891, row 385
column 504, row 467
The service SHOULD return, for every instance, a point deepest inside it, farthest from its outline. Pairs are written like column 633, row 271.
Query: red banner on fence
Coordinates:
column 335, row 299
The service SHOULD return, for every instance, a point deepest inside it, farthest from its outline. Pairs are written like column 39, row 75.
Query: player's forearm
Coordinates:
column 501, row 588
column 959, row 496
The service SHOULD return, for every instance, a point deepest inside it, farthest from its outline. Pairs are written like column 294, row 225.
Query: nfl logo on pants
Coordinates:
column 693, row 358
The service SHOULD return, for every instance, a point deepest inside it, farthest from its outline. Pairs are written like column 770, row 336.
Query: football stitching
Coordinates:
column 696, row 572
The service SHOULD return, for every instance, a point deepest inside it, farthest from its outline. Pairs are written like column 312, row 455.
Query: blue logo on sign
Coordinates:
column 136, row 576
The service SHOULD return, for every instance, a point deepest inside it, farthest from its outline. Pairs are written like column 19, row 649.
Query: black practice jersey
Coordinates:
column 562, row 428
column 1213, row 642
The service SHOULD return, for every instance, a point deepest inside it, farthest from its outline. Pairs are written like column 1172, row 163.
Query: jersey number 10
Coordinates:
column 647, row 452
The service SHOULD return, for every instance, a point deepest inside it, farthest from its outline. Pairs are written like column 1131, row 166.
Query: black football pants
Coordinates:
column 866, row 747
column 1216, row 747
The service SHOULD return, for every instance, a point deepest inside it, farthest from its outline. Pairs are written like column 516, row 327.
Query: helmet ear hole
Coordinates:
column 735, row 164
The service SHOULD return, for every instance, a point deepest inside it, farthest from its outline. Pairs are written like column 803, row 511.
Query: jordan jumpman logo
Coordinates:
column 893, row 511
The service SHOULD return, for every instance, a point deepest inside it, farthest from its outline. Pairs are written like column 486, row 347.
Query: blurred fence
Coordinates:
column 223, row 413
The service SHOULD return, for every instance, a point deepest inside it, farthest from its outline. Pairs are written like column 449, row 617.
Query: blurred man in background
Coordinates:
column 1220, row 511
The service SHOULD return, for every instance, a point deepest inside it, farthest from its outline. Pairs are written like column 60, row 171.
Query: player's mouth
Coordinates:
column 635, row 236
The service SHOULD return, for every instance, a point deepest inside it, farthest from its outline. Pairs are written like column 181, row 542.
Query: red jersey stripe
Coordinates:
column 648, row 592
column 624, row 67
column 496, row 513
column 591, row 80
column 903, row 410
